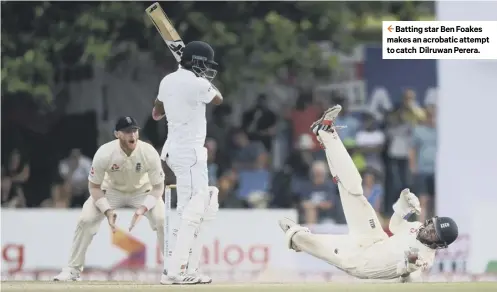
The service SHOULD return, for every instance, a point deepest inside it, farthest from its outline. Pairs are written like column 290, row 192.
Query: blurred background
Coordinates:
column 70, row 69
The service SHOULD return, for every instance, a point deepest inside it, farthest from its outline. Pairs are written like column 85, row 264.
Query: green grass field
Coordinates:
column 329, row 287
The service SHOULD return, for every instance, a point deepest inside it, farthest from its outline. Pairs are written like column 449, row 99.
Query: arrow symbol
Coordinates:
column 390, row 28
column 135, row 250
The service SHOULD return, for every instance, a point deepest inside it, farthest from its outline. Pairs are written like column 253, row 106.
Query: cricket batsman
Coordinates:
column 125, row 172
column 367, row 252
column 182, row 99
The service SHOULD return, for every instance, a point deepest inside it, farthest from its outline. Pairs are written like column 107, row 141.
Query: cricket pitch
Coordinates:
column 308, row 287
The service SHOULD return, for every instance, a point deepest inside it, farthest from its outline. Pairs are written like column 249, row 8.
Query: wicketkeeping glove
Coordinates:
column 407, row 204
column 412, row 262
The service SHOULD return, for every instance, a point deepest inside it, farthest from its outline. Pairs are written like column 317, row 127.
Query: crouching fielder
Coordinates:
column 125, row 172
column 367, row 252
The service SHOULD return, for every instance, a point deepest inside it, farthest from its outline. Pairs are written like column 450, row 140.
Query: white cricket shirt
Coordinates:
column 133, row 174
column 382, row 259
column 185, row 96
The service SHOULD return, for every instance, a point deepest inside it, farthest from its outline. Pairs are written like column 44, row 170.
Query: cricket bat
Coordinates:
column 166, row 30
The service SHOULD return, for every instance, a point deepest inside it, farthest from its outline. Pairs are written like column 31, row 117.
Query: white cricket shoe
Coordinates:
column 204, row 279
column 68, row 274
column 327, row 121
column 181, row 279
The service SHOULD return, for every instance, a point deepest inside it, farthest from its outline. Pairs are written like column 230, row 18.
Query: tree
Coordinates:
column 254, row 41
column 60, row 43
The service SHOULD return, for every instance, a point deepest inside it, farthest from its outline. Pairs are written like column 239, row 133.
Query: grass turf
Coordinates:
column 308, row 287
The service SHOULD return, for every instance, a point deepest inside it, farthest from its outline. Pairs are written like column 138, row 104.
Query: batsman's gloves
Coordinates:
column 407, row 204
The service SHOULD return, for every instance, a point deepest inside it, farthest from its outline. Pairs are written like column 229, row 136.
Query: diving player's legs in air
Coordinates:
column 364, row 226
column 362, row 220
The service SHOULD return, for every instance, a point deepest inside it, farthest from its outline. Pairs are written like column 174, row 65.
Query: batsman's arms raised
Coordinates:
column 406, row 205
column 156, row 177
column 209, row 93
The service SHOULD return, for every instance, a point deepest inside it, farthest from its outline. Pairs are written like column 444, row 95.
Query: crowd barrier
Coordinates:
column 243, row 245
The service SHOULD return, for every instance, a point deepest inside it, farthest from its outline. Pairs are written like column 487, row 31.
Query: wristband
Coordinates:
column 102, row 204
column 408, row 215
column 149, row 202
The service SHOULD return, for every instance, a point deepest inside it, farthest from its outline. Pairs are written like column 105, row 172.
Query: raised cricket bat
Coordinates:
column 166, row 30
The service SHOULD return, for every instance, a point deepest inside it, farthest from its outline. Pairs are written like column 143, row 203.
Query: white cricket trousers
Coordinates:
column 363, row 224
column 90, row 219
column 192, row 187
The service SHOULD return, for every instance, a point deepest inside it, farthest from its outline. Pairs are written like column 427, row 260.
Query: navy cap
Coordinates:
column 124, row 123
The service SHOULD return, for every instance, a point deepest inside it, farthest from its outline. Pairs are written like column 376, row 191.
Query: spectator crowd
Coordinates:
column 395, row 152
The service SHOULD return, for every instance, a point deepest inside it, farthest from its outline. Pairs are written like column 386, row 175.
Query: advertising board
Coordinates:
column 241, row 242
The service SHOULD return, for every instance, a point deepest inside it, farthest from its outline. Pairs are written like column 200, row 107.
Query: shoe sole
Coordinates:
column 72, row 280
column 186, row 283
column 322, row 117
column 169, row 283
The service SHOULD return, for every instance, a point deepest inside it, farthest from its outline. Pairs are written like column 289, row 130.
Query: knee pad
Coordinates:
column 195, row 209
column 213, row 207
column 291, row 232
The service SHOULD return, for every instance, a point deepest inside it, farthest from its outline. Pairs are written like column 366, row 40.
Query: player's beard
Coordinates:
column 428, row 235
column 128, row 144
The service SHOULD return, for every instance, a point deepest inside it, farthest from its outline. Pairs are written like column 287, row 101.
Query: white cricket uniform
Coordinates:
column 384, row 259
column 126, row 181
column 366, row 252
column 185, row 97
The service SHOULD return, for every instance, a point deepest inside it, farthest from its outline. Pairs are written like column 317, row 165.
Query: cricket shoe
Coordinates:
column 327, row 121
column 68, row 275
column 204, row 279
column 181, row 279
column 290, row 228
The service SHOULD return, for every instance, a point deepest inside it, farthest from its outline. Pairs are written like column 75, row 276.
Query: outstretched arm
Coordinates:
column 406, row 205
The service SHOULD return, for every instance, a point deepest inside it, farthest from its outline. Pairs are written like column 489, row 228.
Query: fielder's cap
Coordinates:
column 126, row 123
